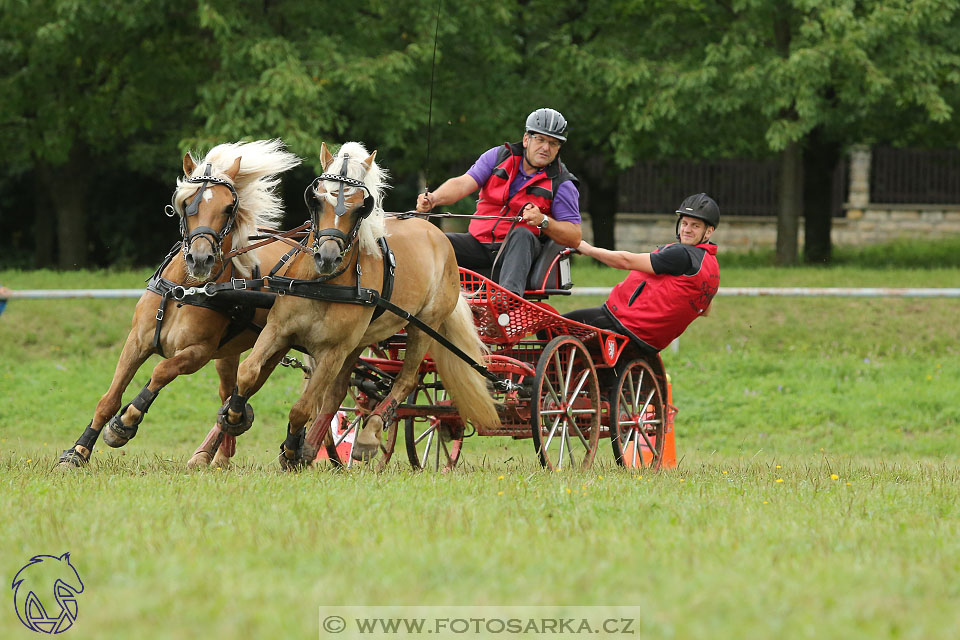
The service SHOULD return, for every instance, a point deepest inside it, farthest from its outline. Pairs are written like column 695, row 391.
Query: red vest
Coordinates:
column 494, row 200
column 658, row 308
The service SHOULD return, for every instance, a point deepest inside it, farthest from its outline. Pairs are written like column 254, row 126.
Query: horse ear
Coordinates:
column 369, row 161
column 65, row 556
column 188, row 164
column 325, row 157
column 234, row 169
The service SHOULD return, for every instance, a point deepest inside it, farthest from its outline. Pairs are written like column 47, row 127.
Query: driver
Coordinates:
column 524, row 179
column 665, row 290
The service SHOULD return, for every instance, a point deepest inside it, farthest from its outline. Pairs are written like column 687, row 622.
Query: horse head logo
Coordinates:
column 42, row 576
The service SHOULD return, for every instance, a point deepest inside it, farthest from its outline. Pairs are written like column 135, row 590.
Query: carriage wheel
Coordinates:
column 565, row 411
column 432, row 444
column 348, row 432
column 362, row 406
column 637, row 417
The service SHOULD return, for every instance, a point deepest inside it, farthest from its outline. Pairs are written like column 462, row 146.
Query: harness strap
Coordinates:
column 499, row 383
column 389, row 275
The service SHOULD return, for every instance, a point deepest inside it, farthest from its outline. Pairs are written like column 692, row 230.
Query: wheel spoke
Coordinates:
column 563, row 439
column 566, row 436
column 632, row 402
column 553, row 431
column 586, row 444
column 426, row 452
column 427, row 432
column 571, row 364
column 639, row 388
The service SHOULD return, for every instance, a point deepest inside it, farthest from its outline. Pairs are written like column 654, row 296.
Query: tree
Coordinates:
column 362, row 75
column 89, row 85
column 821, row 76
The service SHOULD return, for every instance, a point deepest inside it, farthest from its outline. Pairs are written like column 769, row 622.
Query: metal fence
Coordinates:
column 740, row 187
column 915, row 176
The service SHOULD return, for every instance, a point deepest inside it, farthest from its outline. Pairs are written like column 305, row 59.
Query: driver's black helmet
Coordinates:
column 549, row 122
column 700, row 206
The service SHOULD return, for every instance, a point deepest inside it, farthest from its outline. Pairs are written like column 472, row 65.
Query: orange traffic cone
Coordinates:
column 669, row 443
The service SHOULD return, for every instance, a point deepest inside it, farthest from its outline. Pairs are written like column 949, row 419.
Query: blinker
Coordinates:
column 341, row 207
column 194, row 207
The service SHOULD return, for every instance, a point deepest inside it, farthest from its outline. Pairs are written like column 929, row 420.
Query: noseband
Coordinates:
column 215, row 238
column 311, row 197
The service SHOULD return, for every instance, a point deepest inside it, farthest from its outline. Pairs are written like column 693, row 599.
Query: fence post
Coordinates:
column 859, row 198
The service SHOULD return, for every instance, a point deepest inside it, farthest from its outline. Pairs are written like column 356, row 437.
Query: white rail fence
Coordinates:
column 794, row 292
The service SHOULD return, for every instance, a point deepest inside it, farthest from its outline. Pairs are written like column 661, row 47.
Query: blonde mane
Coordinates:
column 375, row 178
column 261, row 162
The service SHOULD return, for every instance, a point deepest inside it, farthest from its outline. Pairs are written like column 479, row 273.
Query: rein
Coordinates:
column 445, row 214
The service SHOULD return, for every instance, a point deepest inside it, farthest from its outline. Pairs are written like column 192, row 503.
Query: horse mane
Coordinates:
column 374, row 226
column 260, row 206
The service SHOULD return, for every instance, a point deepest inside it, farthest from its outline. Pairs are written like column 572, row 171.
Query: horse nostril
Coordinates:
column 189, row 259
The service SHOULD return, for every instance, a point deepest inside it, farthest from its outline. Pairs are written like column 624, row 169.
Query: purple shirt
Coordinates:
column 566, row 201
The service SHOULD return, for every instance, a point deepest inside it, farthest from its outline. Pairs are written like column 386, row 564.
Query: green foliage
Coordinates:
column 95, row 75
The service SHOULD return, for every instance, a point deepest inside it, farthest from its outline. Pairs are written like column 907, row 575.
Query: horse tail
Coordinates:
column 466, row 386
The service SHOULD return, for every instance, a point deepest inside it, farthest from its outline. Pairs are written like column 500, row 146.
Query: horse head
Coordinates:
column 207, row 215
column 340, row 201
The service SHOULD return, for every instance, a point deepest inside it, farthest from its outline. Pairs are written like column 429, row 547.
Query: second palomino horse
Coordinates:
column 352, row 245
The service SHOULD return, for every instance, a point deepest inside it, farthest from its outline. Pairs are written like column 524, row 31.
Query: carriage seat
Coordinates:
column 549, row 274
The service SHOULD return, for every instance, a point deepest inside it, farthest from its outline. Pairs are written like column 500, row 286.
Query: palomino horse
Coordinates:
column 222, row 201
column 348, row 224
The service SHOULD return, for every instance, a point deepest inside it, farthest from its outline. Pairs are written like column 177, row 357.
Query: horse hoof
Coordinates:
column 220, row 461
column 199, row 460
column 230, row 428
column 116, row 434
column 365, row 452
column 291, row 464
column 70, row 460
column 309, row 452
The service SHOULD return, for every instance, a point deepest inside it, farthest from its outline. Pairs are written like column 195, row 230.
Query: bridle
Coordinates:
column 311, row 197
column 215, row 238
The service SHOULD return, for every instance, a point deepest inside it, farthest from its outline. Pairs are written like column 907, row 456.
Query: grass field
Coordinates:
column 817, row 494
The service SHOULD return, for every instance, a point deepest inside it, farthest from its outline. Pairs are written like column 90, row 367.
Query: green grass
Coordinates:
column 752, row 537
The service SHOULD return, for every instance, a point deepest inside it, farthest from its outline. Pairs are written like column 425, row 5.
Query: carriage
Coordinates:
column 500, row 364
column 571, row 385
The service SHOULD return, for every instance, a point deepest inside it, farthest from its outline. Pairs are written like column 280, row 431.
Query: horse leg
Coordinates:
column 368, row 440
column 132, row 357
column 217, row 442
column 292, row 450
column 236, row 415
column 333, row 397
column 124, row 425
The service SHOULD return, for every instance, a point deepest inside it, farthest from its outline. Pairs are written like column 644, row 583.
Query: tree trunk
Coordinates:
column 604, row 193
column 791, row 203
column 820, row 158
column 603, row 211
column 43, row 225
column 68, row 187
